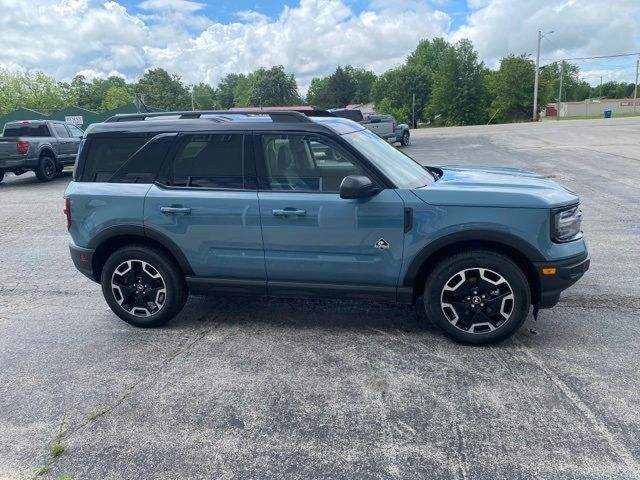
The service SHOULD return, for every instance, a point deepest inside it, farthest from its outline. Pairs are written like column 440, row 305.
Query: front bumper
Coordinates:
column 83, row 260
column 567, row 272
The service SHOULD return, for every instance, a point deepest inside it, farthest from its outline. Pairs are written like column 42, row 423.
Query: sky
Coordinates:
column 203, row 41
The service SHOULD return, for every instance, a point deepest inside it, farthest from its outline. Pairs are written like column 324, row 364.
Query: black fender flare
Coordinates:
column 512, row 242
column 143, row 232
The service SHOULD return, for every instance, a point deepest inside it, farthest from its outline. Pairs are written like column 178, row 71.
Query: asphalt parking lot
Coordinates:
column 241, row 388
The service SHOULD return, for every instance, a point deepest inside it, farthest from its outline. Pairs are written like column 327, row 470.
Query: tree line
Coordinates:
column 451, row 87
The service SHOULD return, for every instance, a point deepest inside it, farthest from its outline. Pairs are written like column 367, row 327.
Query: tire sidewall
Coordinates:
column 478, row 259
column 405, row 138
column 174, row 284
column 40, row 172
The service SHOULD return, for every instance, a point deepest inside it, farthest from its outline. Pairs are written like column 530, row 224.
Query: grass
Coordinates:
column 600, row 115
column 56, row 450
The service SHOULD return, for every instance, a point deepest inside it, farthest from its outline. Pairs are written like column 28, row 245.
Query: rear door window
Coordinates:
column 61, row 130
column 207, row 161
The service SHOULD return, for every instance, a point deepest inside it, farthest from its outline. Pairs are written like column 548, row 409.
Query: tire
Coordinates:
column 143, row 285
column 406, row 138
column 1, row 176
column 46, row 170
column 59, row 169
column 477, row 297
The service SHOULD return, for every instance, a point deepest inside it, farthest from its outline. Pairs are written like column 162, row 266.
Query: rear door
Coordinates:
column 67, row 146
column 313, row 239
column 206, row 202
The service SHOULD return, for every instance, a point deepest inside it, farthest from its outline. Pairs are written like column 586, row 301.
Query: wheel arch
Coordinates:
column 114, row 238
column 428, row 257
column 47, row 150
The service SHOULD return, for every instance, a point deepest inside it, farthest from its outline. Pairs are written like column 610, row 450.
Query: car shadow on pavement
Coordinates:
column 29, row 178
column 304, row 314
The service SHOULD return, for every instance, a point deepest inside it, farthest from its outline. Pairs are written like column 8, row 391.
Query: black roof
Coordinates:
column 201, row 121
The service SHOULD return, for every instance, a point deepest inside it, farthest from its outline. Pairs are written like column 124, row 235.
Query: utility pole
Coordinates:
column 635, row 87
column 600, row 86
column 413, row 107
column 193, row 107
column 560, row 92
column 537, row 76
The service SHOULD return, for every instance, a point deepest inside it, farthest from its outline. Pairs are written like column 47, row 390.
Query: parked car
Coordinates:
column 281, row 204
column 383, row 125
column 44, row 146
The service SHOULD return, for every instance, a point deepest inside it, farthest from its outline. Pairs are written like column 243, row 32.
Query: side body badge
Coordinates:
column 381, row 244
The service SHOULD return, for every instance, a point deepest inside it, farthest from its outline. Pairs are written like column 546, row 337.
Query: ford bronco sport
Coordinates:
column 287, row 204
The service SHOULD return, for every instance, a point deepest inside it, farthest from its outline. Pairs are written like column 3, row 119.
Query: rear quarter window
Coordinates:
column 106, row 155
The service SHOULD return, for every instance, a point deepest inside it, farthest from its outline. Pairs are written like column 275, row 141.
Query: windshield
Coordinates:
column 401, row 169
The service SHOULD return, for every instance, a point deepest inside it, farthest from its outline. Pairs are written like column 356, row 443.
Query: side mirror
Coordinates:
column 357, row 186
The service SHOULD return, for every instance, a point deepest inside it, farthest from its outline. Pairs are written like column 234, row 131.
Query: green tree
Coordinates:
column 116, row 97
column 431, row 55
column 163, row 91
column 459, row 94
column 511, row 88
column 393, row 92
column 204, row 97
column 272, row 87
column 36, row 91
column 364, row 80
column 335, row 91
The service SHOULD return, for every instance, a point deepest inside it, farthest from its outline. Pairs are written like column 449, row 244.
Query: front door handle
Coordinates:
column 175, row 210
column 285, row 212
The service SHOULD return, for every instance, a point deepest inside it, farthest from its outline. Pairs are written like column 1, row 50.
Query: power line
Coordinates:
column 603, row 56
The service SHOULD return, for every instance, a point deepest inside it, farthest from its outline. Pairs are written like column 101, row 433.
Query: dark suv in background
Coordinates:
column 283, row 204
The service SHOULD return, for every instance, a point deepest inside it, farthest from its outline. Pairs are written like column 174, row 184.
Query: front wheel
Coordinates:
column 477, row 297
column 46, row 169
column 143, row 286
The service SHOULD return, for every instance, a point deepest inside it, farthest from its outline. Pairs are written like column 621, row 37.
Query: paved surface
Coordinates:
column 253, row 388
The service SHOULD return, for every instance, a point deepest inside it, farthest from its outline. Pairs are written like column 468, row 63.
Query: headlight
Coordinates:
column 566, row 224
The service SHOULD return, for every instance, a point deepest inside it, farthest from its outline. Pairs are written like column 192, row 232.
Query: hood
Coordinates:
column 495, row 187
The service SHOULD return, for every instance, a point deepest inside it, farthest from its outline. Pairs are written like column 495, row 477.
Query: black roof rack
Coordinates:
column 277, row 116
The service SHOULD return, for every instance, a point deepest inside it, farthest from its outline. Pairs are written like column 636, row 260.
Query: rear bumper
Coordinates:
column 567, row 272
column 10, row 164
column 83, row 260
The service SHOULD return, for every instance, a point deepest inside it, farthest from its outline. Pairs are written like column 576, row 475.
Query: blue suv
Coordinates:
column 289, row 204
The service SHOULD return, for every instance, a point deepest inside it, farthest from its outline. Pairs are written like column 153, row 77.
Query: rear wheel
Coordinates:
column 46, row 169
column 477, row 297
column 406, row 138
column 143, row 286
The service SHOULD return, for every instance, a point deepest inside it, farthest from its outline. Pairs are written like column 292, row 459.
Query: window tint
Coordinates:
column 144, row 164
column 208, row 161
column 106, row 155
column 305, row 163
column 26, row 130
column 61, row 130
column 75, row 131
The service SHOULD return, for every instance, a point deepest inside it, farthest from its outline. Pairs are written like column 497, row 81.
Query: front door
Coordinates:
column 205, row 201
column 311, row 235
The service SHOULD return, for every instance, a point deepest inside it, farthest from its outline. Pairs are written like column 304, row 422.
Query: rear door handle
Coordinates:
column 285, row 212
column 175, row 210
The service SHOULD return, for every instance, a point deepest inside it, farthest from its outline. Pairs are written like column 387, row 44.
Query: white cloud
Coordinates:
column 64, row 37
column 581, row 28
column 179, row 5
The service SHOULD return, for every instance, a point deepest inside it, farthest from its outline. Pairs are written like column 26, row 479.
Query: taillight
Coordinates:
column 22, row 147
column 67, row 211
column 394, row 127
